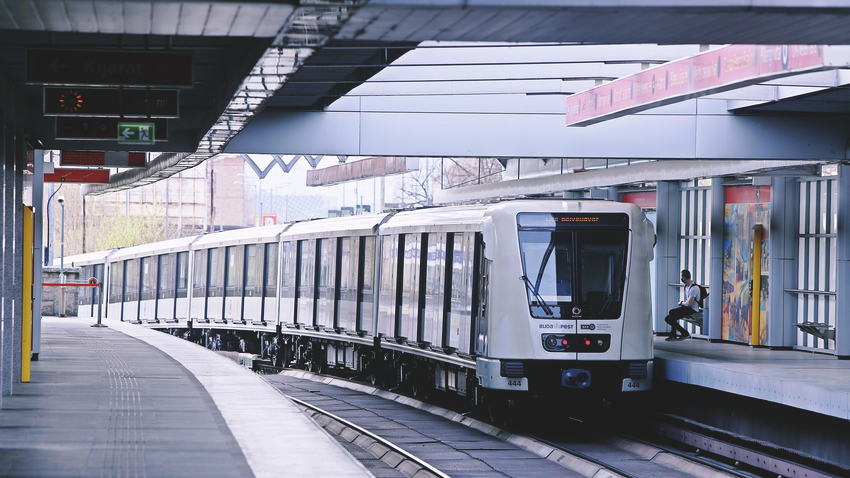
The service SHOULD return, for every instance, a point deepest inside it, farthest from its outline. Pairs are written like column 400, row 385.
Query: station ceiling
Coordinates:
column 255, row 57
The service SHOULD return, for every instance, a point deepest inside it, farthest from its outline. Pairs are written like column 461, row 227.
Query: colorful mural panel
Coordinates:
column 740, row 218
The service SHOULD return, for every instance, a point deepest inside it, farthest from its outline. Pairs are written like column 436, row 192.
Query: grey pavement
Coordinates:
column 102, row 403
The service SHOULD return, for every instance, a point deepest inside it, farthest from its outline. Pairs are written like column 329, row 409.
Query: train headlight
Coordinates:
column 558, row 342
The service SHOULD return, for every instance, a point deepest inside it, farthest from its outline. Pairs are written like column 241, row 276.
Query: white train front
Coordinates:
column 544, row 297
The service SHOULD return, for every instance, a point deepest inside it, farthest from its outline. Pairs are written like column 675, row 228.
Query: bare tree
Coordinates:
column 417, row 188
column 459, row 172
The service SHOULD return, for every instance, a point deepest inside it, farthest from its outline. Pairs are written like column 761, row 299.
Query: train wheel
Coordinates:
column 317, row 360
column 285, row 356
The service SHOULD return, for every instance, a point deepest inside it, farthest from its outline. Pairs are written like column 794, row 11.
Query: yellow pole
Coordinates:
column 755, row 271
column 26, row 318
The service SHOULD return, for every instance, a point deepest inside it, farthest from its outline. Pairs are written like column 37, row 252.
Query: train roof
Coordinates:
column 79, row 260
column 361, row 225
column 246, row 235
column 161, row 247
column 436, row 219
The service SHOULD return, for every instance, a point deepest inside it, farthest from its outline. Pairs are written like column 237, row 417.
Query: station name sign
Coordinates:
column 109, row 68
column 713, row 71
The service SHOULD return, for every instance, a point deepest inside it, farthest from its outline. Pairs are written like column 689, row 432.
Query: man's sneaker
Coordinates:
column 683, row 337
column 672, row 338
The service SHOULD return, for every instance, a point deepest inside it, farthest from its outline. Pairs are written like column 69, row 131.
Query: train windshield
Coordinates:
column 573, row 264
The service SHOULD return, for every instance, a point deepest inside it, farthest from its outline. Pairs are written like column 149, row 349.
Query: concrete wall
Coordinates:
column 50, row 303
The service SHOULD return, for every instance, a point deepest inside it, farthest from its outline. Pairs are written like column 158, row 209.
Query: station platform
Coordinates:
column 814, row 382
column 131, row 402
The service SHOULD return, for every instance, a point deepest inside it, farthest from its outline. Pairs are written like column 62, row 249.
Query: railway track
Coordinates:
column 415, row 438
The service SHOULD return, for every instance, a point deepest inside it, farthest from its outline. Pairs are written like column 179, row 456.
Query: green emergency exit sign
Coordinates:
column 139, row 133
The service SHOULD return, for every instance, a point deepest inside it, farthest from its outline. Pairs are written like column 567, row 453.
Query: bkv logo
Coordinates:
column 588, row 326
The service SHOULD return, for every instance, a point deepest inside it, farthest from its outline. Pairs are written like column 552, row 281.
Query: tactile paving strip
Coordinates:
column 273, row 433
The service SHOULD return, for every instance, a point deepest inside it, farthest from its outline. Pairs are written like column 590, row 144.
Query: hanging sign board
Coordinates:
column 100, row 129
column 109, row 68
column 65, row 175
column 114, row 159
column 133, row 103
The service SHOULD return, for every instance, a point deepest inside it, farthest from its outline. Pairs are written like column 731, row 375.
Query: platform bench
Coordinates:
column 818, row 329
column 695, row 318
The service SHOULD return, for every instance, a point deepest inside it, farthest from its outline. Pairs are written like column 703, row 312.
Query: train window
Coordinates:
column 199, row 273
column 149, row 277
column 235, row 270
column 131, row 291
column 573, row 262
column 116, row 282
column 367, row 289
column 253, row 270
column 547, row 270
column 602, row 265
column 270, row 279
column 216, row 265
column 182, row 275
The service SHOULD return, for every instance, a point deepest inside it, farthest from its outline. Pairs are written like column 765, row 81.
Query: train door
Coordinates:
column 253, row 303
column 147, row 299
column 234, row 283
column 459, row 324
column 133, row 279
column 270, row 266
column 181, row 293
column 326, row 260
column 411, row 273
column 84, row 296
column 349, row 269
column 215, row 290
column 389, row 287
column 98, row 273
column 167, row 282
column 288, row 282
column 200, row 282
column 431, row 326
column 366, row 285
column 115, row 300
column 306, row 303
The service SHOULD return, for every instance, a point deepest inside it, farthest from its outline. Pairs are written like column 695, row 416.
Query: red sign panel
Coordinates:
column 710, row 72
column 747, row 194
column 109, row 68
column 647, row 200
column 116, row 159
column 60, row 175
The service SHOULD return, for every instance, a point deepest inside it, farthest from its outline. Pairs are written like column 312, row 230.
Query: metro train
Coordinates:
column 492, row 302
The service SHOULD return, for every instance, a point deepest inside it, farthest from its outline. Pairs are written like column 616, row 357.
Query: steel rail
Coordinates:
column 423, row 465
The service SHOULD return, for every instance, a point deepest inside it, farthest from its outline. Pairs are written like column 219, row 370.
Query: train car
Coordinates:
column 531, row 297
column 148, row 284
column 234, row 277
column 93, row 266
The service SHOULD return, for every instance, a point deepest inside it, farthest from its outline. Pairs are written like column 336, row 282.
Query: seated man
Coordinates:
column 686, row 308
